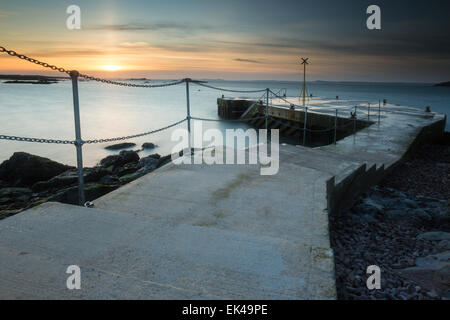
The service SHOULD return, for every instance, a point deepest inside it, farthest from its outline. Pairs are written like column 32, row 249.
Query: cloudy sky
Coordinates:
column 233, row 39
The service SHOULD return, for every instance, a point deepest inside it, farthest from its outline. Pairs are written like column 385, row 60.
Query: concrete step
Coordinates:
column 125, row 256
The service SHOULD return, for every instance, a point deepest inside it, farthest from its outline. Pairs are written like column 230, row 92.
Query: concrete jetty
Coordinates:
column 208, row 231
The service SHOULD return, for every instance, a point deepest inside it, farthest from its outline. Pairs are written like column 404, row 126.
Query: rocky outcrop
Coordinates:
column 443, row 84
column 57, row 182
column 24, row 169
column 119, row 146
column 115, row 161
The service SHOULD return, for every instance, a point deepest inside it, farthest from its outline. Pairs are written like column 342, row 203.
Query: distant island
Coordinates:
column 442, row 84
column 27, row 79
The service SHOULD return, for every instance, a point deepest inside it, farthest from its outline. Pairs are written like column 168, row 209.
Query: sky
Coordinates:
column 232, row 39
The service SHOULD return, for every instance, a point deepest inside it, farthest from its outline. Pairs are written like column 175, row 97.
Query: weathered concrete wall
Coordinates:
column 323, row 123
column 342, row 195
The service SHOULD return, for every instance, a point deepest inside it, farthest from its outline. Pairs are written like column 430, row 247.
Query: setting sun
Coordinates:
column 111, row 68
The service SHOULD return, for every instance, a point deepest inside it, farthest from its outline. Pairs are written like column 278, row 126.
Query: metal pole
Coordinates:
column 78, row 142
column 379, row 110
column 368, row 112
column 304, row 125
column 188, row 113
column 335, row 126
column 304, row 83
column 354, row 122
column 267, row 110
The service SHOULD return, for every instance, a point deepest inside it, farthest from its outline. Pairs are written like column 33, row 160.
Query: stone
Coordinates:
column 122, row 158
column 443, row 245
column 127, row 169
column 148, row 145
column 119, row 146
column 8, row 195
column 70, row 177
column 149, row 162
column 92, row 191
column 129, row 156
column 24, row 169
column 434, row 236
column 109, row 179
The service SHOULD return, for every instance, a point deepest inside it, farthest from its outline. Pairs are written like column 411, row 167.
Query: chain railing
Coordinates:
column 79, row 142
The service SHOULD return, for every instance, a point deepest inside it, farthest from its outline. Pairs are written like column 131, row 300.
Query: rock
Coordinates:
column 8, row 195
column 122, row 158
column 155, row 156
column 163, row 160
column 396, row 214
column 148, row 145
column 92, row 191
column 127, row 169
column 24, row 169
column 68, row 178
column 150, row 163
column 441, row 278
column 119, row 146
column 129, row 156
column 434, row 236
column 443, row 245
column 133, row 176
column 109, row 179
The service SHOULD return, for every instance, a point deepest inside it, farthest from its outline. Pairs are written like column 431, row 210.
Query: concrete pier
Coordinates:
column 290, row 121
column 208, row 231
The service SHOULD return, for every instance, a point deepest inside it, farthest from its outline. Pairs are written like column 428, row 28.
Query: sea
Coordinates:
column 107, row 111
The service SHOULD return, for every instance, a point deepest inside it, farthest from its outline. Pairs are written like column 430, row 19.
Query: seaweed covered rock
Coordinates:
column 24, row 169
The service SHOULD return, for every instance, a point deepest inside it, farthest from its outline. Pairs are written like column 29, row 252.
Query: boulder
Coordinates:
column 24, row 169
column 8, row 195
column 127, row 169
column 129, row 156
column 113, row 161
column 119, row 160
column 148, row 145
column 149, row 162
column 432, row 272
column 434, row 236
column 92, row 191
column 119, row 146
column 68, row 178
column 109, row 179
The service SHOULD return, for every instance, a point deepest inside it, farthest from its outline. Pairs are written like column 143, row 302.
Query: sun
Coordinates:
column 111, row 67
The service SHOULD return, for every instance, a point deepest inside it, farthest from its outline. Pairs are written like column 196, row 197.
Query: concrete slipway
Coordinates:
column 207, row 232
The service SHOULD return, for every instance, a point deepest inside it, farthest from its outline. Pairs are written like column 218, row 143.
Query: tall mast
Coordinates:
column 304, row 63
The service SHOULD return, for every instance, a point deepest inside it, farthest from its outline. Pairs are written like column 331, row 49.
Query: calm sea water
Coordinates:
column 46, row 111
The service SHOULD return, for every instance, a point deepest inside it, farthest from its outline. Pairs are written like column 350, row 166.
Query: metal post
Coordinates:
column 368, row 112
column 78, row 142
column 188, row 114
column 267, row 110
column 335, row 126
column 379, row 111
column 304, row 126
column 354, row 122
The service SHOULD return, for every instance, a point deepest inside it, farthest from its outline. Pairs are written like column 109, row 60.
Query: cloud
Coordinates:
column 160, row 26
column 6, row 14
column 247, row 60
column 138, row 44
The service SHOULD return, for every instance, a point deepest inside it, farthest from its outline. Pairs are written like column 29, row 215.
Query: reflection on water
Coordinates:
column 45, row 111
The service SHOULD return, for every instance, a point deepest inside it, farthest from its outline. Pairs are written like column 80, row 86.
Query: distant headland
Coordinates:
column 442, row 84
column 26, row 79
